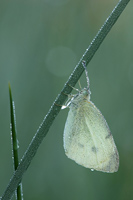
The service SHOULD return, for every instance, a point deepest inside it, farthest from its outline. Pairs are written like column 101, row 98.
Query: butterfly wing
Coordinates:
column 88, row 140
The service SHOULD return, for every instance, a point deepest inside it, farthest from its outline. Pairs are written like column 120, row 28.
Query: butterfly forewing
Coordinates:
column 87, row 138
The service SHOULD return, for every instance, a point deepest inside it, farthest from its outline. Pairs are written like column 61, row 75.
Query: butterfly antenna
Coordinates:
column 86, row 73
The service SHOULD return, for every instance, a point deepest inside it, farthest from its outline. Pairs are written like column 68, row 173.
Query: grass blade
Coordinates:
column 14, row 141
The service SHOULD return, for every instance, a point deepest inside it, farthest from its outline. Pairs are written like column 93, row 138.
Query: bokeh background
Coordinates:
column 41, row 41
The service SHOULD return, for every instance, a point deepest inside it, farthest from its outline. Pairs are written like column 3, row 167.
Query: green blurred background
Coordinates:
column 41, row 41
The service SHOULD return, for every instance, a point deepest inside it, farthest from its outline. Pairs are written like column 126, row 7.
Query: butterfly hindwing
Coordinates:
column 87, row 138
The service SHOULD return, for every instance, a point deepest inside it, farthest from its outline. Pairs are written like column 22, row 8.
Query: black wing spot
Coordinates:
column 108, row 136
column 94, row 149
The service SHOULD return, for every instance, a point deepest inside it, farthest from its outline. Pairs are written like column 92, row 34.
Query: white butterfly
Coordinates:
column 87, row 138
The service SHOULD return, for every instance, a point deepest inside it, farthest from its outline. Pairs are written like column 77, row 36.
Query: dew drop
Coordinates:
column 17, row 144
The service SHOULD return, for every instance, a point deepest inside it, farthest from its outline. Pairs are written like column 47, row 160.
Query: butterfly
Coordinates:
column 87, row 137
